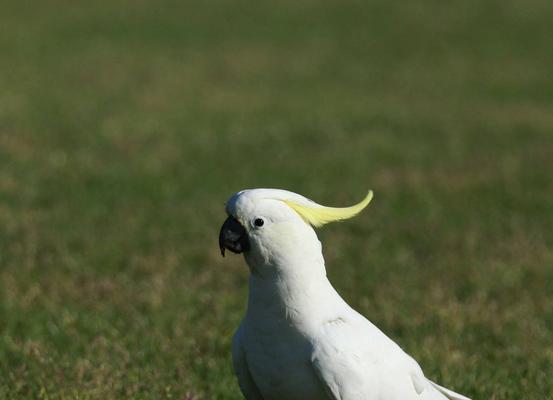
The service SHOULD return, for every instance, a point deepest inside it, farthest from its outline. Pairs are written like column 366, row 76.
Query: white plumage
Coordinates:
column 299, row 339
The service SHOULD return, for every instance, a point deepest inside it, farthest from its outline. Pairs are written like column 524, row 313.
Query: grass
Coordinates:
column 124, row 127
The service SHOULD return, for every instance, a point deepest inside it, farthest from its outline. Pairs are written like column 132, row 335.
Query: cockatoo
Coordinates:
column 299, row 340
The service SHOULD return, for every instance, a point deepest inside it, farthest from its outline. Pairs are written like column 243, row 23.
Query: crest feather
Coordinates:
column 318, row 215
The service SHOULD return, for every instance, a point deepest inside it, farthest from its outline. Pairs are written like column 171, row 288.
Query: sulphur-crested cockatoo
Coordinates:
column 299, row 339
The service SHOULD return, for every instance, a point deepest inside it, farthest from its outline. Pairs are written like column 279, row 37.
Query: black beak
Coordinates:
column 233, row 236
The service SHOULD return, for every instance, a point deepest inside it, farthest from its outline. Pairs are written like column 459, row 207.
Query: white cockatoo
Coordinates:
column 299, row 339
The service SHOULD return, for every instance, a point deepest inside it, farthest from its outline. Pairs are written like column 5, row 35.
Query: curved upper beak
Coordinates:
column 233, row 236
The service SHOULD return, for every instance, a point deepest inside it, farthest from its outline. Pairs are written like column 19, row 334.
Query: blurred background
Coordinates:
column 126, row 125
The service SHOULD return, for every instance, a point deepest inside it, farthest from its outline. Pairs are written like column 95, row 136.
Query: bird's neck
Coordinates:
column 289, row 295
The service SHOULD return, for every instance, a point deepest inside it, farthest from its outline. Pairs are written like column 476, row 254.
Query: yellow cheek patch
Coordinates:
column 318, row 215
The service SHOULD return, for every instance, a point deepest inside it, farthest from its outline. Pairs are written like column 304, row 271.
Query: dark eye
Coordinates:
column 258, row 222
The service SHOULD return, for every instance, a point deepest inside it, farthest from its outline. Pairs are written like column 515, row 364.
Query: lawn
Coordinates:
column 126, row 125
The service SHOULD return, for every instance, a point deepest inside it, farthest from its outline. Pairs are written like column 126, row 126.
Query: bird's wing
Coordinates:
column 354, row 360
column 340, row 375
column 345, row 366
column 450, row 394
column 240, row 364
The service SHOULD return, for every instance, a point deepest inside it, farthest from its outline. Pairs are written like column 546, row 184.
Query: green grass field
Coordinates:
column 125, row 126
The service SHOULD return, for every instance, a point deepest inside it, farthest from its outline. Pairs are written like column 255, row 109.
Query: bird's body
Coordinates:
column 299, row 339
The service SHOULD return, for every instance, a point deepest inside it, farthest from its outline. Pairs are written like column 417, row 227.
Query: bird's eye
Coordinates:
column 258, row 222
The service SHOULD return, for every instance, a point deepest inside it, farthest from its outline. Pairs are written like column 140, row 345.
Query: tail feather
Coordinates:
column 450, row 394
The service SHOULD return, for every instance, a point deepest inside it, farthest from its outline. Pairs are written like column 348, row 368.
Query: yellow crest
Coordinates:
column 318, row 215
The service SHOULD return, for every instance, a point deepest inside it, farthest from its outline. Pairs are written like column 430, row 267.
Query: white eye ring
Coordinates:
column 258, row 222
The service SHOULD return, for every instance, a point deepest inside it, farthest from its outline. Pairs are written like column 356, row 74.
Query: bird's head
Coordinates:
column 272, row 227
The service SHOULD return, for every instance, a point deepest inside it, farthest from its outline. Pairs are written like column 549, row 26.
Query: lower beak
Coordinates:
column 233, row 236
